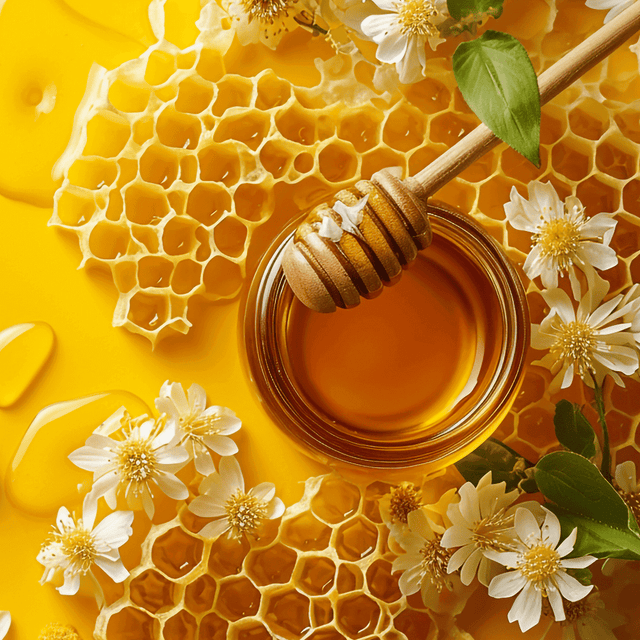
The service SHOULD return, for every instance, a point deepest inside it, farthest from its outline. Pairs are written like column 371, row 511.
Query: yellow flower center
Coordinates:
column 58, row 631
column 633, row 502
column 78, row 545
column 538, row 564
column 435, row 560
column 560, row 239
column 245, row 512
column 136, row 461
column 268, row 11
column 492, row 532
column 417, row 17
column 405, row 498
column 575, row 342
column 200, row 426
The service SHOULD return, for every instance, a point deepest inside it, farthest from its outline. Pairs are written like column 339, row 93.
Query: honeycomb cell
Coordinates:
column 611, row 159
column 450, row 128
column 337, row 162
column 518, row 167
column 188, row 169
column 219, row 163
column 572, row 159
column 276, row 157
column 552, row 126
column 349, row 578
column 146, row 238
column 536, row 426
column 178, row 236
column 176, row 553
column 107, row 135
column 233, row 91
column 143, row 130
column 132, row 624
column 627, row 400
column 161, row 65
column 288, row 614
column 129, row 97
column 336, row 500
column 115, row 206
column 590, row 119
column 629, row 124
column 213, row 627
column 532, row 391
column 194, row 95
column 186, row 277
column 255, row 631
column 494, row 194
column 124, row 275
column 627, row 237
column 254, row 202
column 154, row 271
column 208, row 202
column 272, row 92
column 382, row 583
column 182, row 626
column 372, row 495
column 405, row 128
column 227, row 555
column 326, row 634
column 222, row 277
column 357, row 616
column 362, row 129
column 273, row 565
column 304, row 163
column 93, row 174
column 152, row 592
column 159, row 166
column 321, row 612
column 238, row 599
column 145, row 204
column 317, row 575
column 380, row 158
column 199, row 594
column 297, row 124
column 179, row 130
column 621, row 428
column 429, row 95
column 249, row 127
column 305, row 532
column 414, row 624
column 108, row 241
column 75, row 207
column 598, row 197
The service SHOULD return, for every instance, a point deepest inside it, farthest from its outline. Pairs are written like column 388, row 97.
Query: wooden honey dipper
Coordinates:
column 331, row 262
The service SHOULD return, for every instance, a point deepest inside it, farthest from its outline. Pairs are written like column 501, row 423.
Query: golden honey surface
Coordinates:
column 324, row 572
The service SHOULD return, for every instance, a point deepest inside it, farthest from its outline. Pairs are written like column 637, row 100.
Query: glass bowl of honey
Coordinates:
column 418, row 376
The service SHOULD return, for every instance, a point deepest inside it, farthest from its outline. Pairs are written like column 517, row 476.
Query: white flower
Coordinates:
column 588, row 620
column 265, row 21
column 5, row 623
column 562, row 237
column 396, row 505
column 223, row 496
column 482, row 521
column 145, row 454
column 401, row 34
column 613, row 6
column 628, row 487
column 592, row 341
column 539, row 570
column 199, row 427
column 75, row 546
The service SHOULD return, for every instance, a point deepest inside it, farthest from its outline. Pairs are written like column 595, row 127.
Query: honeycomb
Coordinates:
column 323, row 573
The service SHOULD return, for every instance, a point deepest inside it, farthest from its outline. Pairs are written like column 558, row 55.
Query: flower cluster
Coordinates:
column 132, row 459
column 591, row 337
column 512, row 547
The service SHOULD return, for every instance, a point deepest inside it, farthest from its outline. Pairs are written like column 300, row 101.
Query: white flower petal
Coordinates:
column 507, row 584
column 171, row 485
column 459, row 557
column 555, row 600
column 526, row 525
column 275, row 509
column 470, row 567
column 222, row 445
column 71, row 584
column 113, row 568
column 197, row 399
column 230, row 473
column 527, row 608
column 5, row 623
column 550, row 529
column 570, row 588
column 626, row 477
column 265, row 491
column 215, row 529
column 202, row 460
column 115, row 529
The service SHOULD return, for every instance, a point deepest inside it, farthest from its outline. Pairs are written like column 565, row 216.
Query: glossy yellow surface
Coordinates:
column 588, row 147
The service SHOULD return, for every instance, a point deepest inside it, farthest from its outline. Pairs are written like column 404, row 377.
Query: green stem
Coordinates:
column 606, row 447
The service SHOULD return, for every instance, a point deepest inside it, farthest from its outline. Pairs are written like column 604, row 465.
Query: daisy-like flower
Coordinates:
column 199, row 427
column 223, row 497
column 538, row 570
column 592, row 342
column 483, row 520
column 403, row 32
column 5, row 623
column 587, row 619
column 75, row 545
column 350, row 218
column 396, row 506
column 58, row 631
column 562, row 236
column 614, row 7
column 628, row 487
column 144, row 454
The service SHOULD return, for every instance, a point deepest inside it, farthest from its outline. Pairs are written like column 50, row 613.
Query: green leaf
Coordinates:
column 573, row 430
column 460, row 9
column 498, row 82
column 584, row 499
column 504, row 463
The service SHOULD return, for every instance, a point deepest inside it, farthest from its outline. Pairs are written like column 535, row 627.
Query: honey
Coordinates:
column 412, row 377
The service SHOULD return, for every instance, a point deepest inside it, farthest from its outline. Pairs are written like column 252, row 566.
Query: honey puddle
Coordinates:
column 24, row 350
